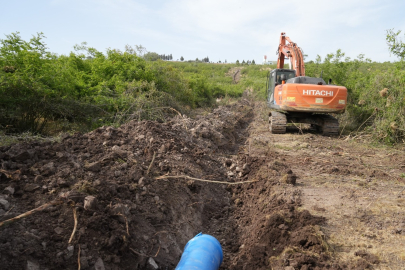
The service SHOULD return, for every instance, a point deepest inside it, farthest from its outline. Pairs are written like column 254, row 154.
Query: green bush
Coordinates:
column 38, row 88
column 42, row 92
column 367, row 109
column 34, row 87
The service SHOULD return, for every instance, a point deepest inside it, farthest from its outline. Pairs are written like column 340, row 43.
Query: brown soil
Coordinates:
column 235, row 73
column 312, row 205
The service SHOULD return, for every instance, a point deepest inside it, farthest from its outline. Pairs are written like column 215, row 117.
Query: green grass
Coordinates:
column 6, row 139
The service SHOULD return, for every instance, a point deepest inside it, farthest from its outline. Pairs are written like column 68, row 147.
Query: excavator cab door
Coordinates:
column 270, row 89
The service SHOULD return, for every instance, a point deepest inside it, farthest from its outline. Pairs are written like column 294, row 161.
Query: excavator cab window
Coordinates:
column 270, row 90
column 287, row 75
column 275, row 79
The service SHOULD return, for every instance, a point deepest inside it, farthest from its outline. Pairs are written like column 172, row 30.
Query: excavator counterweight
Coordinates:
column 296, row 98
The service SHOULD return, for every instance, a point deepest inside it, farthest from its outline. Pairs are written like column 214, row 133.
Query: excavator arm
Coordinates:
column 293, row 52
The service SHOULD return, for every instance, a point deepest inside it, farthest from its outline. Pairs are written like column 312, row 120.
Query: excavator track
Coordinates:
column 330, row 125
column 277, row 123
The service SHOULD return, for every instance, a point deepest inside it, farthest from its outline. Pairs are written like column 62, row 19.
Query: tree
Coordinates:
column 253, row 62
column 129, row 49
column 243, row 62
column 182, row 58
column 395, row 44
column 318, row 59
column 237, row 62
column 141, row 50
column 151, row 56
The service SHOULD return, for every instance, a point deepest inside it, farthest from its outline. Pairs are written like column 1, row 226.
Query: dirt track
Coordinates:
column 345, row 210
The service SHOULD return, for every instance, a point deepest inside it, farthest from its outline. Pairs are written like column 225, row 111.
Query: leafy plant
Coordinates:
column 381, row 115
column 395, row 44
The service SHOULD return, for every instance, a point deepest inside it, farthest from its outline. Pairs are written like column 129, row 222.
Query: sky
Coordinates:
column 220, row 29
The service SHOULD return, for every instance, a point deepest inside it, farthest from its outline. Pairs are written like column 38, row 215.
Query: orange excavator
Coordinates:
column 296, row 98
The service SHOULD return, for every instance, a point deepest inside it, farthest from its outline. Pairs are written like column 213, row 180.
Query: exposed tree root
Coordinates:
column 38, row 209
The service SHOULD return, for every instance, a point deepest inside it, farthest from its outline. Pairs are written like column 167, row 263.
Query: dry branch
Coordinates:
column 9, row 210
column 78, row 259
column 144, row 255
column 38, row 209
column 202, row 180
column 299, row 128
column 75, row 226
column 157, row 252
column 163, row 232
column 175, row 110
column 151, row 163
column 366, row 121
column 126, row 222
column 401, row 191
column 11, row 175
column 137, row 253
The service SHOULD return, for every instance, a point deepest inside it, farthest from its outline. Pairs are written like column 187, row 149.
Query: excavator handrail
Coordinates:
column 293, row 52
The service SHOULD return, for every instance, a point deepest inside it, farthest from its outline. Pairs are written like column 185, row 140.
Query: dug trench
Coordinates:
column 131, row 197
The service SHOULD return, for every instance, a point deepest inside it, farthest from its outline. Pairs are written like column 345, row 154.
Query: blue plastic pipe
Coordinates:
column 203, row 252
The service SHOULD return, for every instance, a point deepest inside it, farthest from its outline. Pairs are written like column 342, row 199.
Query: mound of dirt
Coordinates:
column 127, row 219
column 269, row 224
column 129, row 192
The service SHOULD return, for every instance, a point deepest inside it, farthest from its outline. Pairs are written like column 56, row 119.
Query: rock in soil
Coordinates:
column 4, row 204
column 90, row 203
column 32, row 266
column 9, row 190
column 99, row 265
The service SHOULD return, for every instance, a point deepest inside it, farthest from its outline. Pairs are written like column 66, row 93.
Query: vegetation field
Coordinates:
column 45, row 93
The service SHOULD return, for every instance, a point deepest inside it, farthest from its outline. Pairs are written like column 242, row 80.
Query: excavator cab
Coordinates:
column 276, row 77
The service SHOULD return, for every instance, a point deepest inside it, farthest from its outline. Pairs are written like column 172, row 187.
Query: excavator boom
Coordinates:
column 293, row 52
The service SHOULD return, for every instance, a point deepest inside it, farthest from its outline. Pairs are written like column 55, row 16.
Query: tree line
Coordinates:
column 248, row 62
